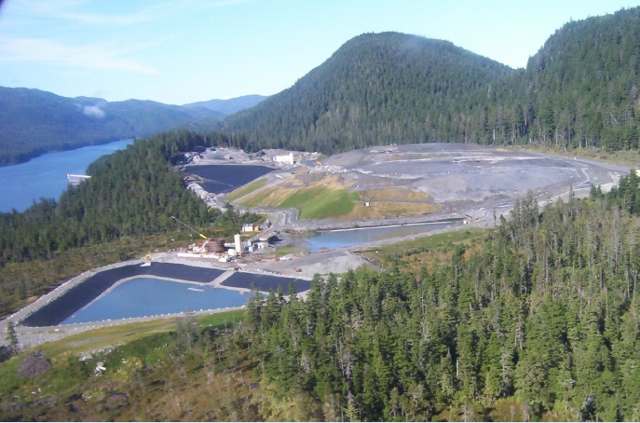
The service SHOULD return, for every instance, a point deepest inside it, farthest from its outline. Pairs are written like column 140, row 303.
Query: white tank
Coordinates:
column 238, row 242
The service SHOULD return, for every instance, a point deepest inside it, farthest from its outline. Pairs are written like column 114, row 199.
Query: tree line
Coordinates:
column 544, row 311
column 131, row 194
column 579, row 91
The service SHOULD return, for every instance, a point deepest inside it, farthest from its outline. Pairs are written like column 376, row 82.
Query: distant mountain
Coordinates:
column 34, row 122
column 580, row 90
column 230, row 106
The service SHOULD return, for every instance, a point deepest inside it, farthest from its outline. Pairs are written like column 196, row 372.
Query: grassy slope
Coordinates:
column 247, row 189
column 328, row 198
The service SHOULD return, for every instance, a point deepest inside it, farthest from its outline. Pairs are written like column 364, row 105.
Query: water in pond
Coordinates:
column 142, row 297
column 350, row 237
column 46, row 176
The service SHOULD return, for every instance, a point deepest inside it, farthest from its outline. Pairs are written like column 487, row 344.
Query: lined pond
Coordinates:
column 220, row 179
column 356, row 236
column 143, row 296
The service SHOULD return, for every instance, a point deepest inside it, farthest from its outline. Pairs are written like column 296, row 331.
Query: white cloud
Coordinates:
column 49, row 52
column 74, row 10
column 93, row 111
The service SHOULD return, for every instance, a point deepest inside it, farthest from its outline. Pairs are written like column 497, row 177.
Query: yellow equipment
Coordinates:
column 180, row 221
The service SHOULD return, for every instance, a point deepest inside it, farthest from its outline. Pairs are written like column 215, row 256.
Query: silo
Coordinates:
column 218, row 246
column 238, row 243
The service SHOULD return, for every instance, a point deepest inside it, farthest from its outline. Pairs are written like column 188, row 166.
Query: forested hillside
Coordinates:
column 579, row 90
column 131, row 194
column 377, row 88
column 538, row 319
column 545, row 310
column 34, row 122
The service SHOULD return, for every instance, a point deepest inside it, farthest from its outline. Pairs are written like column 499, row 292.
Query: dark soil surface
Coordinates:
column 266, row 282
column 219, row 179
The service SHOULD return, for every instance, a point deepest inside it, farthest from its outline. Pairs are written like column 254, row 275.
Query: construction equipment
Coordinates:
column 180, row 221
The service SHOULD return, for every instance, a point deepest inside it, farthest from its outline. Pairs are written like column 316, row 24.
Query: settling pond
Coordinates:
column 142, row 297
column 151, row 291
column 356, row 236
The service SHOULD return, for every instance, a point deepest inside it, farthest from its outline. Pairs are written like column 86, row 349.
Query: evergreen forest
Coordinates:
column 579, row 91
column 132, row 194
column 34, row 122
column 536, row 319
column 544, row 308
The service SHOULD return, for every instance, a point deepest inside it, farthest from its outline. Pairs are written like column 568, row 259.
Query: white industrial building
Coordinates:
column 286, row 159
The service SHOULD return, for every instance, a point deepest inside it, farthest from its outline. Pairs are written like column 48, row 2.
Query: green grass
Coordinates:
column 221, row 319
column 426, row 250
column 120, row 334
column 283, row 251
column 321, row 203
column 247, row 189
column 258, row 199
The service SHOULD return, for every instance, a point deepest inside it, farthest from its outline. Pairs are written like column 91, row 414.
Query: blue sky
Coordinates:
column 180, row 52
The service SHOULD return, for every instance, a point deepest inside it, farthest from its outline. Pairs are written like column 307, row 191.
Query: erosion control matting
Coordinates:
column 265, row 282
column 82, row 294
column 220, row 179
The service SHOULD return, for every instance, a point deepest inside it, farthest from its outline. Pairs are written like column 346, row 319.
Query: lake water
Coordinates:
column 46, row 176
column 142, row 297
column 350, row 237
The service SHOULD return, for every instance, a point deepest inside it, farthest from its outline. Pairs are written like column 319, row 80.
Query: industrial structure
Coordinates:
column 219, row 249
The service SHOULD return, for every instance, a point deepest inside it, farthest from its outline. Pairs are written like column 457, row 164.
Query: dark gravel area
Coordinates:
column 77, row 297
column 219, row 179
column 265, row 282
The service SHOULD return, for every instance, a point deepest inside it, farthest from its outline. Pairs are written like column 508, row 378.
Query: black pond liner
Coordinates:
column 225, row 178
column 82, row 294
column 265, row 282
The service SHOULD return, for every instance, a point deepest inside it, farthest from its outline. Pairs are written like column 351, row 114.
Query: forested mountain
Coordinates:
column 579, row 90
column 33, row 122
column 377, row 88
column 230, row 106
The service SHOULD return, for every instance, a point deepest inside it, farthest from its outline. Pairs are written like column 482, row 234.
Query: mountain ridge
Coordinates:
column 229, row 106
column 35, row 122
column 358, row 88
column 578, row 91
